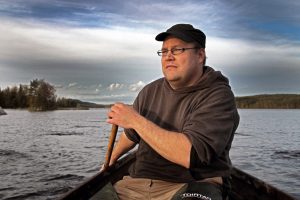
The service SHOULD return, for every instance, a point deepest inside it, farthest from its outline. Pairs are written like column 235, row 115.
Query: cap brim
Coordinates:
column 162, row 36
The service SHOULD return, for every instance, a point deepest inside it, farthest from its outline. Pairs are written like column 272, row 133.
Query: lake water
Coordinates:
column 45, row 154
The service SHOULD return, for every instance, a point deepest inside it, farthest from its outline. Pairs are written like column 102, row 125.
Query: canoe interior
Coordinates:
column 91, row 186
column 247, row 187
column 244, row 186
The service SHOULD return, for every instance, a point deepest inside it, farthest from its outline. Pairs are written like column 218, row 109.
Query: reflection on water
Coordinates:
column 43, row 155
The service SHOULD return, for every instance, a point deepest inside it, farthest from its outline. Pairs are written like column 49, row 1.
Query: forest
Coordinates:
column 269, row 101
column 40, row 96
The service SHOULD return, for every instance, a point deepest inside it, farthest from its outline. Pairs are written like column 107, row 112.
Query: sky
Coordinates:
column 105, row 51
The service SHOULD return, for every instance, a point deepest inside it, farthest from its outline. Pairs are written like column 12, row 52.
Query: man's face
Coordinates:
column 184, row 69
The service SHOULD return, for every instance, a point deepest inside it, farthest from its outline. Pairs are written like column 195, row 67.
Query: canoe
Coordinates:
column 244, row 186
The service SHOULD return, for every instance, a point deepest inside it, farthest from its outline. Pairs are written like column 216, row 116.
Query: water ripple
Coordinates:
column 286, row 154
column 12, row 153
column 57, row 133
column 60, row 176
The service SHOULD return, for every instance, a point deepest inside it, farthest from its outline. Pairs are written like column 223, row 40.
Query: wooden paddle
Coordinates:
column 112, row 138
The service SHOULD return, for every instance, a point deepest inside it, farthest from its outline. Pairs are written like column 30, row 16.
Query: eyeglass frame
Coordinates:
column 164, row 52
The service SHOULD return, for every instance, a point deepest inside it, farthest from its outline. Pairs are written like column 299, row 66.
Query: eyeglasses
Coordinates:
column 174, row 51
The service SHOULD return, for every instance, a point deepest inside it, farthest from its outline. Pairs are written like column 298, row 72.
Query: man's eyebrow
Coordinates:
column 175, row 46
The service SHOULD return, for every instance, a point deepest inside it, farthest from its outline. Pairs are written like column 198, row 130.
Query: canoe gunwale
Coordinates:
column 244, row 186
column 248, row 187
column 93, row 184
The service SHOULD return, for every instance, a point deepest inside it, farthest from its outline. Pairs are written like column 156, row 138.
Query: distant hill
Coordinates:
column 40, row 96
column 269, row 101
column 263, row 101
column 71, row 104
column 83, row 104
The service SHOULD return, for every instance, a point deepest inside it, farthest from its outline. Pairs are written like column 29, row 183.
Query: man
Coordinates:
column 184, row 124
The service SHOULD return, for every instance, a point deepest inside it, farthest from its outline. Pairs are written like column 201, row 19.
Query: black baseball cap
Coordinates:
column 185, row 32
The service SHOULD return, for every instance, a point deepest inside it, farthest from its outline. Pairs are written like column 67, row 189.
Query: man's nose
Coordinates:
column 169, row 55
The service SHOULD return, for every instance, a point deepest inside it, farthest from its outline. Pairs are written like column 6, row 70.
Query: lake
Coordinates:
column 45, row 154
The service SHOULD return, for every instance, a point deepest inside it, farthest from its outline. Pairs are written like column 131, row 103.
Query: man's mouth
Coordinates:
column 170, row 66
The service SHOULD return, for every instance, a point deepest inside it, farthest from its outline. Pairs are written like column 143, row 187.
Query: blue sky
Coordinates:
column 105, row 51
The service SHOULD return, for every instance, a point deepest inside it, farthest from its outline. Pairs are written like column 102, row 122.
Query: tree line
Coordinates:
column 40, row 96
column 271, row 101
column 37, row 96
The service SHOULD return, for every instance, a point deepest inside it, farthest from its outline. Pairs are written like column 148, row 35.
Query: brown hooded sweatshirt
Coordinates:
column 206, row 113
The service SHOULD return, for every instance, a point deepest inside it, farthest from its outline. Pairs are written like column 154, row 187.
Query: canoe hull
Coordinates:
column 244, row 186
column 90, row 187
column 247, row 187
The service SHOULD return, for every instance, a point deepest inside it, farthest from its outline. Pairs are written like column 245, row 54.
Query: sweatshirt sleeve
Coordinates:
column 210, row 126
column 130, row 133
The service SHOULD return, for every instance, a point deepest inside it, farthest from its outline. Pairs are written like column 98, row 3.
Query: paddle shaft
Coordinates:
column 112, row 138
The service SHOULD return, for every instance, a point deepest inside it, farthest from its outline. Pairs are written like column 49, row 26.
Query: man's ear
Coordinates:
column 202, row 55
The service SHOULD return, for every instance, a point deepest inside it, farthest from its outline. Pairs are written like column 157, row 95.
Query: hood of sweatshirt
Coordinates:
column 209, row 78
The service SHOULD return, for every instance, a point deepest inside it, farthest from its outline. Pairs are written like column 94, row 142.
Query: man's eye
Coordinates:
column 176, row 50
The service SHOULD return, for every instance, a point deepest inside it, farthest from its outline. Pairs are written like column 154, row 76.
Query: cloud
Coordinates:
column 137, row 86
column 98, row 42
column 33, row 49
column 249, row 20
column 256, row 67
column 58, row 86
column 72, row 85
column 254, row 20
column 115, row 86
column 20, row 40
column 105, row 98
column 235, row 52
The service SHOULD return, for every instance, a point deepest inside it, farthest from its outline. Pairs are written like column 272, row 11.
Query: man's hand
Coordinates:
column 122, row 115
